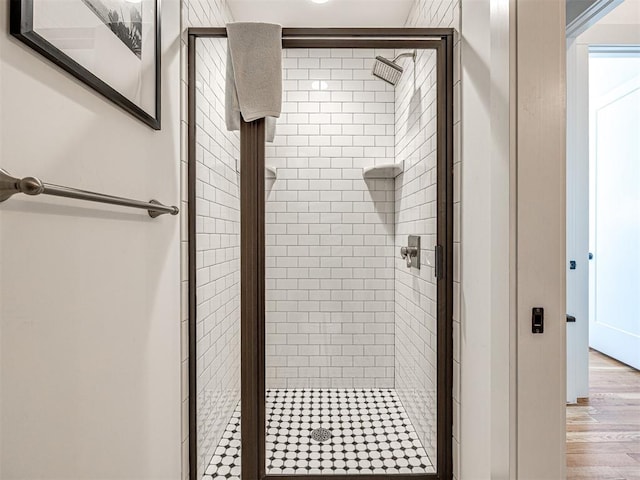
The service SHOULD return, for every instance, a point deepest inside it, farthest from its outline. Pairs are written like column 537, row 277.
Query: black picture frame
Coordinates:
column 21, row 27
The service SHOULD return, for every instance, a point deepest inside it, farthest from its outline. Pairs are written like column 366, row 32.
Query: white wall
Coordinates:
column 477, row 238
column 486, row 326
column 541, row 242
column 90, row 304
column 329, row 231
column 627, row 13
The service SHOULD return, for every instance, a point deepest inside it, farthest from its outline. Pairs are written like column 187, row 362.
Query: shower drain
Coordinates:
column 321, row 434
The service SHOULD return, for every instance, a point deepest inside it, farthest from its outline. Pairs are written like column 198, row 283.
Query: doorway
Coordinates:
column 315, row 351
column 603, row 245
column 601, row 61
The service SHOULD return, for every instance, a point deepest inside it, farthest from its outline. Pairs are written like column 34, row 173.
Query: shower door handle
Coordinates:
column 439, row 260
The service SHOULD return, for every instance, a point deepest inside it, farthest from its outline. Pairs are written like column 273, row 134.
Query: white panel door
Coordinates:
column 614, row 327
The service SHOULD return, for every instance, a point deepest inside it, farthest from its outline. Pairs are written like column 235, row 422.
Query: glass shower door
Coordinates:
column 321, row 263
column 351, row 326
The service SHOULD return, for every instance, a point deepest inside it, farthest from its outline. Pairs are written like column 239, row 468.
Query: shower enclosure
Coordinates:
column 320, row 266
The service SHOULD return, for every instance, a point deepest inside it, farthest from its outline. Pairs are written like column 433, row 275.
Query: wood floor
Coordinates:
column 603, row 432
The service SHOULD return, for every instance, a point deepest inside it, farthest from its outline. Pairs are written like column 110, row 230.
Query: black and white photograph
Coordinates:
column 124, row 19
column 111, row 45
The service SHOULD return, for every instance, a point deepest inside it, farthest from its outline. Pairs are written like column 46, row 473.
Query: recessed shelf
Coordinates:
column 391, row 170
column 271, row 173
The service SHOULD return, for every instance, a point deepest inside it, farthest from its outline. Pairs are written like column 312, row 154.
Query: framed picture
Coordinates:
column 111, row 45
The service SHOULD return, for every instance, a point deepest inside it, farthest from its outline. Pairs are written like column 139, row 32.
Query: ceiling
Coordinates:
column 334, row 13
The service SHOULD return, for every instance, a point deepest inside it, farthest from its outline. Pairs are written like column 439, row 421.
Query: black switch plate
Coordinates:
column 537, row 320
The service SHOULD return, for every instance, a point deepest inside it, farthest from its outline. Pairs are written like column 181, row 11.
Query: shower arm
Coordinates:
column 406, row 54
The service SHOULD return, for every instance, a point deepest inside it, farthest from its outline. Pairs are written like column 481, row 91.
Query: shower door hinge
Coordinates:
column 439, row 260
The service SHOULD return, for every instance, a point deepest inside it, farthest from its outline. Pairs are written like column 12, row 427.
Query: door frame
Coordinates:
column 601, row 36
column 252, row 151
column 577, row 220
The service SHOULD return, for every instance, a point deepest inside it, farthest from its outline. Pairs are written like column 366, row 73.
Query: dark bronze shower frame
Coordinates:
column 252, row 220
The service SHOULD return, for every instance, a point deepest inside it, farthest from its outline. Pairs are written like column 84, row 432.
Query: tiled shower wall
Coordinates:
column 415, row 292
column 416, row 299
column 218, row 251
column 218, row 236
column 330, row 233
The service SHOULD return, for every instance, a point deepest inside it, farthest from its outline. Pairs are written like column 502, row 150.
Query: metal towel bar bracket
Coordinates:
column 9, row 186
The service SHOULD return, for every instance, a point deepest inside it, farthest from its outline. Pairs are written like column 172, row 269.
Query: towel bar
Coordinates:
column 9, row 186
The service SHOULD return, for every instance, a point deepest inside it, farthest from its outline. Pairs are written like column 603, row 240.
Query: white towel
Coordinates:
column 254, row 74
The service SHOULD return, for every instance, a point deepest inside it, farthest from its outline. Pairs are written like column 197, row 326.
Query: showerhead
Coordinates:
column 389, row 70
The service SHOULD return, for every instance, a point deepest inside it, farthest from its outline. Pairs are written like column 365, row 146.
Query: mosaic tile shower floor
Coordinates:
column 370, row 433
